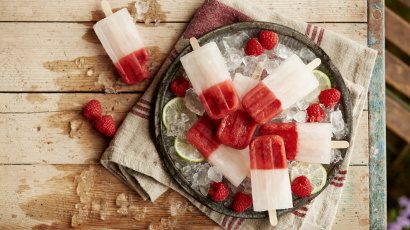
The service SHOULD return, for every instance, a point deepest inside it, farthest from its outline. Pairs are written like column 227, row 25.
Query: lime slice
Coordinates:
column 316, row 174
column 187, row 151
column 324, row 83
column 173, row 111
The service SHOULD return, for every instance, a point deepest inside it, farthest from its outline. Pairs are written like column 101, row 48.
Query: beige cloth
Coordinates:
column 133, row 158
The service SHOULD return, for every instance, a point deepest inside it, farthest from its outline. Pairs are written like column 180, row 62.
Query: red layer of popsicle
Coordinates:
column 288, row 131
column 132, row 68
column 203, row 136
column 268, row 152
column 220, row 100
column 261, row 104
column 236, row 130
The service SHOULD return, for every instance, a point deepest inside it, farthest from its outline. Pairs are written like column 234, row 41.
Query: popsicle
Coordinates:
column 307, row 142
column 233, row 164
column 207, row 72
column 269, row 175
column 236, row 130
column 123, row 44
column 289, row 83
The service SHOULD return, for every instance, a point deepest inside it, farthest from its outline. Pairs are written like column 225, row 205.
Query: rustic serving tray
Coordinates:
column 163, row 95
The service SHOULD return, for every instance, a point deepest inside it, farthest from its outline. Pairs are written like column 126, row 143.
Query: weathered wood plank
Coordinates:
column 397, row 74
column 180, row 11
column 377, row 118
column 397, row 118
column 72, row 59
column 43, row 122
column 45, row 196
column 396, row 31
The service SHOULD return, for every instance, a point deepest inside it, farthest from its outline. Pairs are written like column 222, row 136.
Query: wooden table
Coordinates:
column 51, row 64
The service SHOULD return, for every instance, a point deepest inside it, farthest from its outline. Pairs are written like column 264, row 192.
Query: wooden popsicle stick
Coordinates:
column 106, row 8
column 314, row 64
column 194, row 43
column 258, row 71
column 340, row 144
column 273, row 219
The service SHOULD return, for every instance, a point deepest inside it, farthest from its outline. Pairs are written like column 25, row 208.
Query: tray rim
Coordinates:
column 166, row 78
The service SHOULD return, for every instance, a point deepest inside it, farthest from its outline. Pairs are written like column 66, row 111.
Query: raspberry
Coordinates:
column 179, row 86
column 253, row 48
column 92, row 110
column 268, row 39
column 218, row 191
column 106, row 126
column 315, row 113
column 301, row 186
column 241, row 202
column 329, row 97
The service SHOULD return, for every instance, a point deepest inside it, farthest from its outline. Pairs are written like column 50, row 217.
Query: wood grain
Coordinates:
column 178, row 10
column 43, row 121
column 396, row 118
column 397, row 31
column 72, row 59
column 397, row 74
column 45, row 196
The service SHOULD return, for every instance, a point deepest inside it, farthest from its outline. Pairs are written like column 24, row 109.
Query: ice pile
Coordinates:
column 200, row 176
column 339, row 128
column 179, row 123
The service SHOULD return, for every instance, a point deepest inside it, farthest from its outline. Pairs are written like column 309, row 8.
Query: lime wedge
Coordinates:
column 187, row 151
column 316, row 174
column 324, row 83
column 173, row 110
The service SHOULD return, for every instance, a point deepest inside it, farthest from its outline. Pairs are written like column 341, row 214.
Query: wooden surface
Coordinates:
column 51, row 64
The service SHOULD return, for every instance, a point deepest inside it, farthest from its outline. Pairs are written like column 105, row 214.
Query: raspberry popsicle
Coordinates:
column 123, row 43
column 233, row 164
column 206, row 69
column 307, row 142
column 289, row 83
column 269, row 174
column 236, row 129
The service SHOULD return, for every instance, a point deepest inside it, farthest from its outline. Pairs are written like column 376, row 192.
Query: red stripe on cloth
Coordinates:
column 140, row 107
column 301, row 215
column 226, row 222
column 308, row 29
column 343, row 172
column 319, row 39
column 339, row 178
column 314, row 33
column 304, row 208
column 239, row 224
column 144, row 102
column 337, row 184
column 233, row 223
column 139, row 114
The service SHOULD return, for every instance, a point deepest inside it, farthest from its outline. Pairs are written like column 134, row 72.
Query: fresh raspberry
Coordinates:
column 241, row 202
column 106, row 126
column 268, row 39
column 179, row 86
column 92, row 110
column 218, row 191
column 253, row 47
column 315, row 113
column 329, row 97
column 301, row 186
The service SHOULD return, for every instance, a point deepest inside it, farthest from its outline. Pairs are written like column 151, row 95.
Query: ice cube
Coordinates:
column 283, row 51
column 302, row 105
column 214, row 174
column 336, row 156
column 300, row 117
column 338, row 124
column 204, row 189
column 193, row 103
column 306, row 54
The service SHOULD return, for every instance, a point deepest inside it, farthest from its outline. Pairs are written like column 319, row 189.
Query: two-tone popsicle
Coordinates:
column 209, row 76
column 123, row 44
column 233, row 164
column 290, row 82
column 306, row 142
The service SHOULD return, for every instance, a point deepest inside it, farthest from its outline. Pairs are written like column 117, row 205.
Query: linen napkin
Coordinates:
column 132, row 155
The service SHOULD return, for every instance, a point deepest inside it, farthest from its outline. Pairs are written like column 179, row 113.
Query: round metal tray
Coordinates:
column 163, row 95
